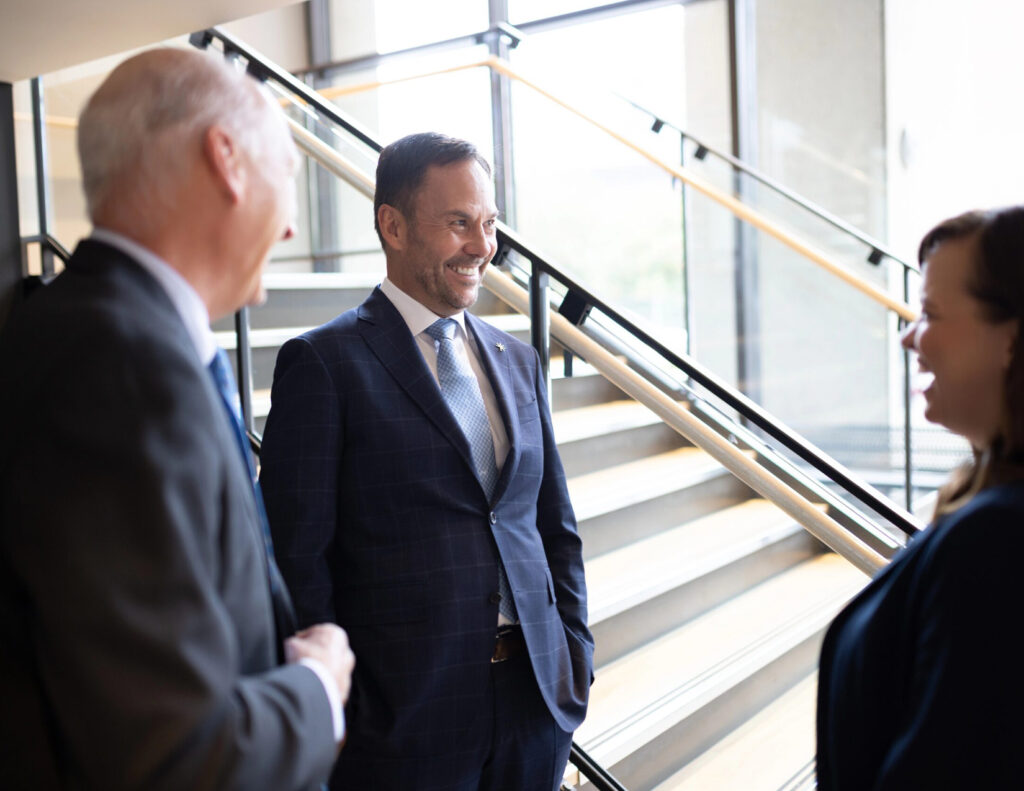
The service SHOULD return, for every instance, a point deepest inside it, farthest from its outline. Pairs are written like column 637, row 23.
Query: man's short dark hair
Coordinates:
column 403, row 166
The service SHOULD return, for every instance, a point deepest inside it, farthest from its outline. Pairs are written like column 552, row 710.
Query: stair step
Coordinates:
column 275, row 337
column 586, row 387
column 643, row 590
column 625, row 485
column 265, row 341
column 592, row 421
column 634, row 500
column 582, row 375
column 320, row 281
column 620, row 580
column 662, row 705
column 769, row 752
column 271, row 338
column 605, row 434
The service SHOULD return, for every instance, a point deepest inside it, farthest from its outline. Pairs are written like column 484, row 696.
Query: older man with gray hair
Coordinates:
column 148, row 638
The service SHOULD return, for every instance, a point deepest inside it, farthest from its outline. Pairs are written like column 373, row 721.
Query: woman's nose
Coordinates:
column 907, row 336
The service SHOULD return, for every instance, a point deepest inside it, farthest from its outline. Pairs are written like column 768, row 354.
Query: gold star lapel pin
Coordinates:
column 500, row 347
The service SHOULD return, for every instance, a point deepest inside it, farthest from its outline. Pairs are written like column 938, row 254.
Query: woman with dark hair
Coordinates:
column 921, row 682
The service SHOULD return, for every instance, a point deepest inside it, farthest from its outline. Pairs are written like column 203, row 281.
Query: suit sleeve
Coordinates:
column 963, row 726
column 114, row 529
column 556, row 522
column 299, row 464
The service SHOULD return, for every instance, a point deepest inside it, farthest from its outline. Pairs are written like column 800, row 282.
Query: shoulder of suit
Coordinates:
column 105, row 306
column 343, row 324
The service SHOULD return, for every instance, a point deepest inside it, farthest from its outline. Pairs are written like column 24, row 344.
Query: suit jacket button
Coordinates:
column 494, row 598
column 494, row 518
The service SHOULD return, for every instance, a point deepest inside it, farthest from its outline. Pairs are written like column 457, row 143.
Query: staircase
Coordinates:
column 707, row 603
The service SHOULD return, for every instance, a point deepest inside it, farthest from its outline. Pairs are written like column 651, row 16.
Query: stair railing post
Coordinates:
column 42, row 173
column 540, row 325
column 12, row 262
column 684, row 230
column 907, row 433
column 243, row 358
column 499, row 46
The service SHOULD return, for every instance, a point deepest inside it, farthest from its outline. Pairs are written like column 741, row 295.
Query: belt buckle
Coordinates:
column 504, row 632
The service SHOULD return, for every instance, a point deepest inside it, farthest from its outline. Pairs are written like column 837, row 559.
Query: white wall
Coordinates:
column 955, row 114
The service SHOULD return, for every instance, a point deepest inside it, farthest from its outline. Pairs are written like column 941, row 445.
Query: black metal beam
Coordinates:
column 42, row 151
column 323, row 187
column 11, row 265
column 264, row 69
column 499, row 45
column 743, row 54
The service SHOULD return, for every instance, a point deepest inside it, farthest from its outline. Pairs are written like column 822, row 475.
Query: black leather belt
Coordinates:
column 510, row 643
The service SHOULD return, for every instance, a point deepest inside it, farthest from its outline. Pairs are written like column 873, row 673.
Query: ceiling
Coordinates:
column 42, row 36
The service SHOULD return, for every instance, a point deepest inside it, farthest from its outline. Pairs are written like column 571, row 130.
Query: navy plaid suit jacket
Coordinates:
column 380, row 525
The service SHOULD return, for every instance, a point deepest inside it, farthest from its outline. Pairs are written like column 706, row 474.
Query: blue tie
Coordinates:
column 220, row 370
column 461, row 391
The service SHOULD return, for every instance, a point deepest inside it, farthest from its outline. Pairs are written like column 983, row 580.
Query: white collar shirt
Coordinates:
column 186, row 301
column 418, row 317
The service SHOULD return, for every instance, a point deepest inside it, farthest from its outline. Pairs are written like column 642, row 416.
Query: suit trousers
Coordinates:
column 517, row 746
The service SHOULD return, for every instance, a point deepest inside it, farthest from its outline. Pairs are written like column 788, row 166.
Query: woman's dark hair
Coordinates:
column 997, row 282
column 403, row 166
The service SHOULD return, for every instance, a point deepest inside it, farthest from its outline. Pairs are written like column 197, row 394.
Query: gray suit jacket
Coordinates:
column 139, row 647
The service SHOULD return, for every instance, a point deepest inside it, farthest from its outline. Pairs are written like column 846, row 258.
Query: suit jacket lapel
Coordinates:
column 388, row 337
column 498, row 365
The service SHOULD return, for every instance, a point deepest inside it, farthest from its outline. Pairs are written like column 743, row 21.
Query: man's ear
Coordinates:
column 393, row 226
column 224, row 158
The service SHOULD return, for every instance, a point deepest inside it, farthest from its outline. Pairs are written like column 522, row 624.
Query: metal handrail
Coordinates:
column 262, row 68
column 878, row 250
column 48, row 242
column 678, row 417
column 348, row 171
column 732, row 398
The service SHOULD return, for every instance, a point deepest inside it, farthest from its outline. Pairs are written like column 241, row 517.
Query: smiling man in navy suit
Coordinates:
column 416, row 498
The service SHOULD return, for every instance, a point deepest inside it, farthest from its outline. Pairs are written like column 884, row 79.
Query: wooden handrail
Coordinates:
column 329, row 158
column 333, row 92
column 61, row 121
column 737, row 207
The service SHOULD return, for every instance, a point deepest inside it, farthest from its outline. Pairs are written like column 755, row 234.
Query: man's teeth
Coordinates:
column 465, row 270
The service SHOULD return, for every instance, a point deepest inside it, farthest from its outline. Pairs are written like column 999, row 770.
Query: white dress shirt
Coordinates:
column 196, row 319
column 418, row 318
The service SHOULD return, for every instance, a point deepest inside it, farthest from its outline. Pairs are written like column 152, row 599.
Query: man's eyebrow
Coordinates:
column 464, row 215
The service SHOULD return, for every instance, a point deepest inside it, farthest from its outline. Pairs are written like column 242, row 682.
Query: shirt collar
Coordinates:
column 417, row 316
column 186, row 301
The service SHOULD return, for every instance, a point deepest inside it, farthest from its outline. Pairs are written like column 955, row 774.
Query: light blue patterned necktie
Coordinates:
column 461, row 391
